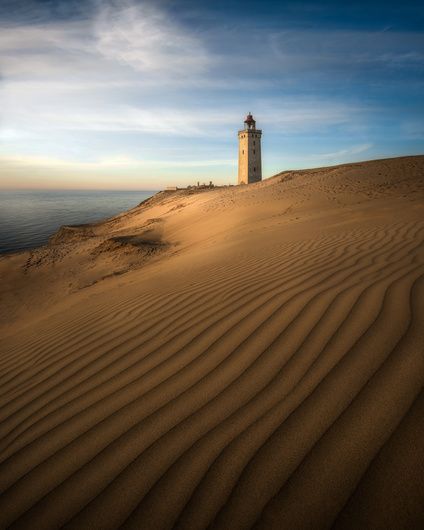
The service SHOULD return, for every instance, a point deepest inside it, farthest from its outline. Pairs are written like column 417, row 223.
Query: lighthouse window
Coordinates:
column 254, row 143
column 242, row 152
column 254, row 169
column 254, row 151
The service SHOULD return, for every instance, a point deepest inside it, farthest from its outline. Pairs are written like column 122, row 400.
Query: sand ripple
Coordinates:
column 281, row 390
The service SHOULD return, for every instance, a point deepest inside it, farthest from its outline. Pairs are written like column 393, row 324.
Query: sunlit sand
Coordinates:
column 242, row 356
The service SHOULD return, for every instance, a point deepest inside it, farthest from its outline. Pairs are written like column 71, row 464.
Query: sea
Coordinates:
column 29, row 218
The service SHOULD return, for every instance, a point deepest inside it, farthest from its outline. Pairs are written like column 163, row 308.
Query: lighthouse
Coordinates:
column 250, row 163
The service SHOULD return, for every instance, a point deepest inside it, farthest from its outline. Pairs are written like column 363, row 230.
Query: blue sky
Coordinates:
column 139, row 95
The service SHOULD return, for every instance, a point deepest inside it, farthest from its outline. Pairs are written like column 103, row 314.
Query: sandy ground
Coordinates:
column 244, row 357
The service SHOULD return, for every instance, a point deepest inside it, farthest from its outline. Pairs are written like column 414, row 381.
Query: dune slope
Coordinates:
column 247, row 357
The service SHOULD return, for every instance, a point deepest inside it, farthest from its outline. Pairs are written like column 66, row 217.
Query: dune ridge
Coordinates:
column 263, row 367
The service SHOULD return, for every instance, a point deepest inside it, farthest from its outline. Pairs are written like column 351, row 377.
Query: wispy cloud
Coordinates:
column 342, row 51
column 121, row 38
column 149, row 41
column 109, row 162
column 32, row 108
column 314, row 159
column 341, row 153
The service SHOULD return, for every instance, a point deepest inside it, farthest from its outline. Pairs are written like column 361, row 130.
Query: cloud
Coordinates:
column 52, row 51
column 342, row 153
column 342, row 52
column 145, row 38
column 112, row 172
column 109, row 163
column 32, row 108
column 311, row 159
column 120, row 39
column 295, row 115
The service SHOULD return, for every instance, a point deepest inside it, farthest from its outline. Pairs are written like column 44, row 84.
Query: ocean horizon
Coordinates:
column 29, row 217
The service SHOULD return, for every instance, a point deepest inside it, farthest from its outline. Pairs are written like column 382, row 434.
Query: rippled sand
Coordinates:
column 236, row 358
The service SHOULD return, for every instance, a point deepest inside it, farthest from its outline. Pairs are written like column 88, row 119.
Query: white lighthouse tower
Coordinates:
column 250, row 163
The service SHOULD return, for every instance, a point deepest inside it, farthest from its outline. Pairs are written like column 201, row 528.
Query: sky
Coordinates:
column 139, row 94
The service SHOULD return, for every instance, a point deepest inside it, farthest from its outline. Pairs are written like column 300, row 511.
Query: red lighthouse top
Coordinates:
column 250, row 122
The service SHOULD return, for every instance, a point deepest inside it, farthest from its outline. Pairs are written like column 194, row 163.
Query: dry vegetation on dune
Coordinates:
column 243, row 357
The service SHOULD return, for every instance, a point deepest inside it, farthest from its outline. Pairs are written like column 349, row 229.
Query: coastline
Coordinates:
column 29, row 217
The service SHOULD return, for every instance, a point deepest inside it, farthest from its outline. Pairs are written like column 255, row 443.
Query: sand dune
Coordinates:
column 237, row 358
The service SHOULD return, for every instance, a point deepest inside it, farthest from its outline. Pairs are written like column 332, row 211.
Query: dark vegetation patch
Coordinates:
column 71, row 233
column 134, row 244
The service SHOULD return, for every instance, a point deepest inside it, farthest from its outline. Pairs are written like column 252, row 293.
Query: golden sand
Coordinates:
column 236, row 358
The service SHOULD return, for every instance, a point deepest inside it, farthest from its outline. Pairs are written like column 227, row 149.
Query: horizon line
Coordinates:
column 79, row 189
